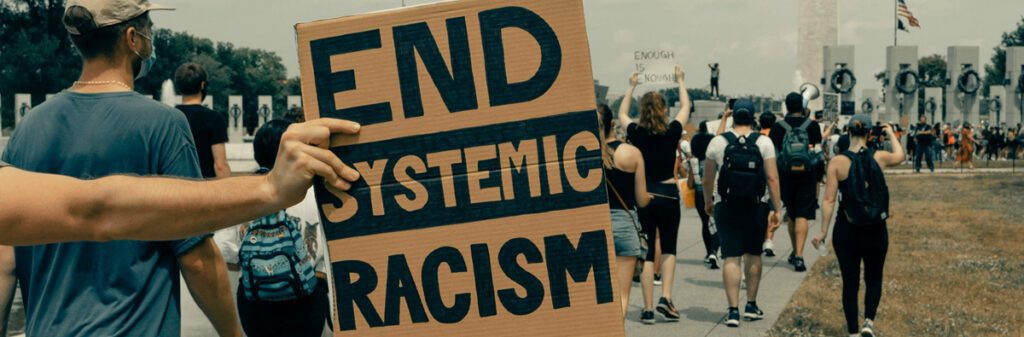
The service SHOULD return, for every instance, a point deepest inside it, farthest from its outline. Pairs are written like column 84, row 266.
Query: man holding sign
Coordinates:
column 483, row 207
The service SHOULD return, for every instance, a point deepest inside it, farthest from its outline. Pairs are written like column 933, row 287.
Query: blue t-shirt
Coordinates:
column 118, row 288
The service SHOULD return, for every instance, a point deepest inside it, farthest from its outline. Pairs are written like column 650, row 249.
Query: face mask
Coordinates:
column 147, row 63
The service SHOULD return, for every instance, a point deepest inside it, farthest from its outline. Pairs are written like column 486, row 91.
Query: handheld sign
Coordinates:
column 482, row 210
column 655, row 66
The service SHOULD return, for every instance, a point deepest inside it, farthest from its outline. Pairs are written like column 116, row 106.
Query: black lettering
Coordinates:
column 351, row 294
column 484, row 281
column 401, row 285
column 507, row 258
column 432, row 287
column 500, row 91
column 591, row 253
column 456, row 87
column 329, row 82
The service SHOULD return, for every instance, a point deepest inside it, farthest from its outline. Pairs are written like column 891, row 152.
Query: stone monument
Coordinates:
column 871, row 103
column 818, row 27
column 903, row 83
column 933, row 105
column 294, row 101
column 963, row 89
column 235, row 112
column 1015, row 89
column 22, row 105
column 997, row 105
column 208, row 102
column 838, row 76
column 265, row 109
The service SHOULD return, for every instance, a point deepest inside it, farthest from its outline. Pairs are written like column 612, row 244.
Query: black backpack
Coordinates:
column 742, row 177
column 795, row 156
column 866, row 198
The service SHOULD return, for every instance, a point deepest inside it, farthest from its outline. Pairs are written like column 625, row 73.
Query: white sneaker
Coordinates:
column 769, row 248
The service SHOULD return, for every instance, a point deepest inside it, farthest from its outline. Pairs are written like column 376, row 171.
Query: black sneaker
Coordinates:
column 647, row 317
column 792, row 259
column 668, row 310
column 752, row 313
column 798, row 264
column 712, row 261
column 868, row 330
column 733, row 320
column 636, row 278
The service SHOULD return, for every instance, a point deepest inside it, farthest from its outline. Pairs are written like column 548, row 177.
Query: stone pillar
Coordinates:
column 294, row 101
column 265, row 109
column 837, row 58
column 997, row 105
column 235, row 113
column 961, row 63
column 22, row 105
column 933, row 105
column 871, row 103
column 208, row 102
column 901, row 70
column 817, row 29
column 1014, row 70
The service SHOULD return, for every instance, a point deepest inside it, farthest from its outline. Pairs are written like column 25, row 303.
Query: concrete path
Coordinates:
column 699, row 294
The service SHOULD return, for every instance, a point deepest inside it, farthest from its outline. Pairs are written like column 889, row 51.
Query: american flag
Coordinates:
column 902, row 10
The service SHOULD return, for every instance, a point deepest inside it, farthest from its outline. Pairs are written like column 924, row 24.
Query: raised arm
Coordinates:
column 684, row 98
column 894, row 158
column 725, row 117
column 41, row 208
column 627, row 101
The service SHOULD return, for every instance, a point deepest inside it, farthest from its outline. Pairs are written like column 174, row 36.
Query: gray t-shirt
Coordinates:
column 118, row 288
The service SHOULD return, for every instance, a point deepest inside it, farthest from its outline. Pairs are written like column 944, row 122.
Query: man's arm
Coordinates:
column 42, row 208
column 772, row 173
column 7, row 284
column 710, row 170
column 206, row 275
column 220, row 161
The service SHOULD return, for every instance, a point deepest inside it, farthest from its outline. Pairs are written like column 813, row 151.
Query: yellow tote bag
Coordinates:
column 688, row 194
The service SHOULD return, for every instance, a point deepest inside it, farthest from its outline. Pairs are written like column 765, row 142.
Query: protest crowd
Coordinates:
column 747, row 175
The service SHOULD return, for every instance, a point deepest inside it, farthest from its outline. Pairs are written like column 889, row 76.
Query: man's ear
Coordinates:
column 203, row 85
column 129, row 38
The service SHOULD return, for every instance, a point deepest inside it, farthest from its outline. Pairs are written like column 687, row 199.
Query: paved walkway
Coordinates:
column 701, row 299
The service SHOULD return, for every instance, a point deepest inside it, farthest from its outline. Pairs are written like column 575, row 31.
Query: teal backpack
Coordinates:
column 795, row 157
column 274, row 262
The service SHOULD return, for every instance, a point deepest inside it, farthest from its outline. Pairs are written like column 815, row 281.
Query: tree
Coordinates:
column 995, row 72
column 932, row 72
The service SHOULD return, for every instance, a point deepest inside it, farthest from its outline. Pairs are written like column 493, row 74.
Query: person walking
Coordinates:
column 695, row 173
column 657, row 139
column 740, row 165
column 861, row 234
column 99, row 127
column 966, row 153
column 627, row 191
column 795, row 137
column 209, row 129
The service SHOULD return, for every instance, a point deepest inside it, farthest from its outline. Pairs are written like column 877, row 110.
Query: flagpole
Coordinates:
column 895, row 22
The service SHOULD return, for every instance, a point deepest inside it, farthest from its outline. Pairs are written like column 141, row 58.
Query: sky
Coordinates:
column 754, row 41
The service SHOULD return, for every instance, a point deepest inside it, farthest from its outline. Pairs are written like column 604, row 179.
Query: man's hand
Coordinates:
column 773, row 220
column 634, row 80
column 680, row 74
column 709, row 208
column 304, row 154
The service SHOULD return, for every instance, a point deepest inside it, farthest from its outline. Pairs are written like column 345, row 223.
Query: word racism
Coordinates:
column 655, row 66
column 482, row 201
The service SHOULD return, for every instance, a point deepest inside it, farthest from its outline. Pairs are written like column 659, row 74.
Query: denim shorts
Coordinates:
column 627, row 240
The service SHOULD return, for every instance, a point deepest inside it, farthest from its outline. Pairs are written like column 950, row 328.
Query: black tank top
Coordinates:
column 659, row 150
column 624, row 184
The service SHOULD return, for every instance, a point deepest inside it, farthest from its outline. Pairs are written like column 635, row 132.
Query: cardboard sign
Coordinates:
column 482, row 210
column 655, row 66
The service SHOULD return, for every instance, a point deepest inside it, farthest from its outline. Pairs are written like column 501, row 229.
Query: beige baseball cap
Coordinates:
column 106, row 13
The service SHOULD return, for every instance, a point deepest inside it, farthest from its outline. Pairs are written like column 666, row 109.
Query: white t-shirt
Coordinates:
column 229, row 239
column 716, row 152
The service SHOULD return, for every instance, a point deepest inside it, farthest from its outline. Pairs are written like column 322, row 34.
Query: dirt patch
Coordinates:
column 955, row 265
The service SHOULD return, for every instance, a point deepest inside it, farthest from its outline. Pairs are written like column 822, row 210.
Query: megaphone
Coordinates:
column 810, row 92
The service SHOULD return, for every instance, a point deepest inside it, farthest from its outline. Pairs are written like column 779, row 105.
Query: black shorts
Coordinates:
column 799, row 196
column 741, row 229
